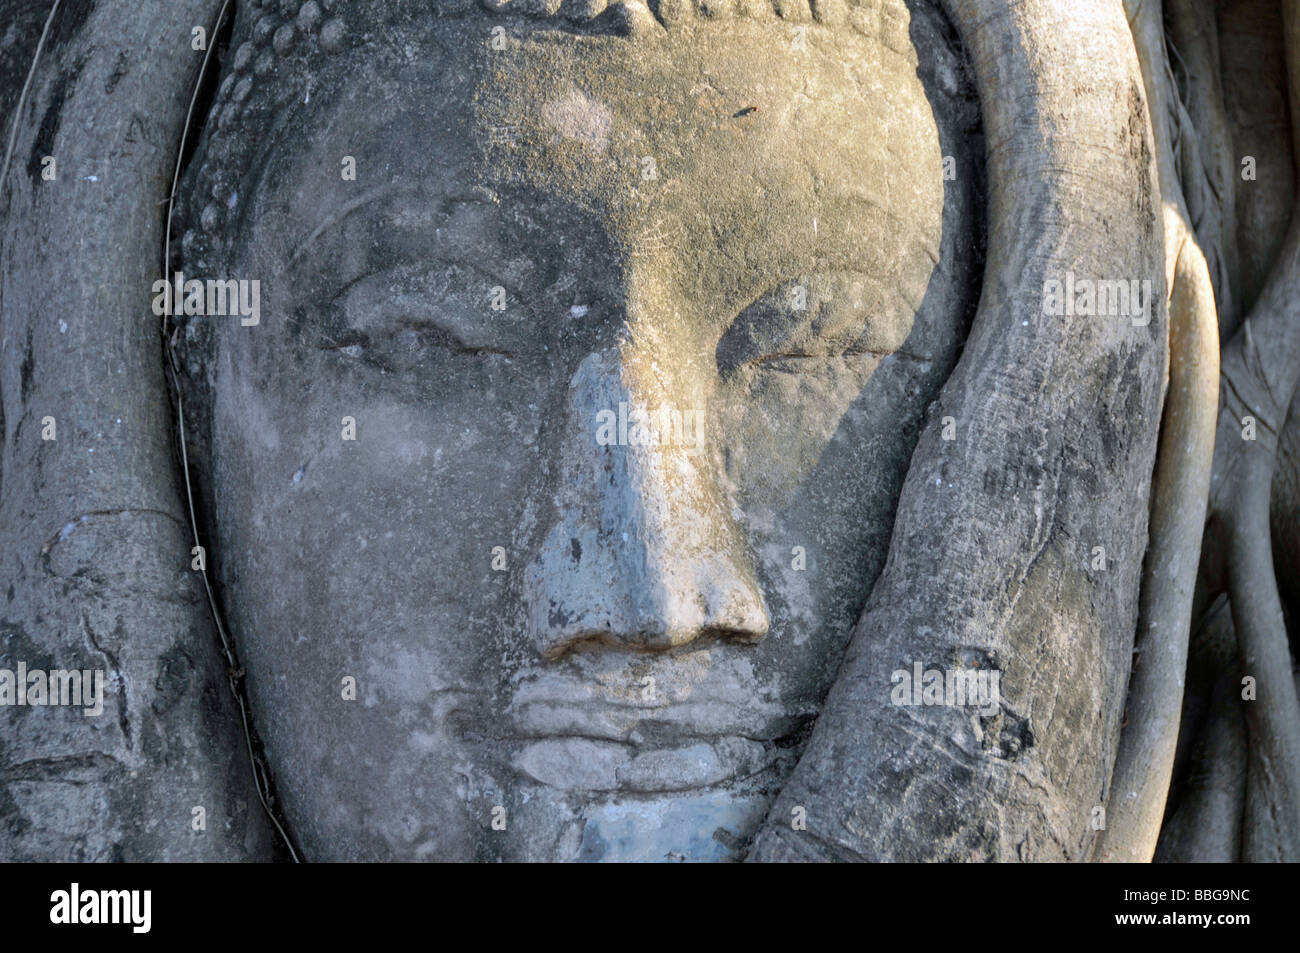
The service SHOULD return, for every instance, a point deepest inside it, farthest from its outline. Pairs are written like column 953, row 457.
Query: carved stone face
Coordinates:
column 619, row 641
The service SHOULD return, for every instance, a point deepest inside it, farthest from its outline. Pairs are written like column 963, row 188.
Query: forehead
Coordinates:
column 762, row 124
column 757, row 143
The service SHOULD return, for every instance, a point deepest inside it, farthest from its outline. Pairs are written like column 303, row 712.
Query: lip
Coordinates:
column 589, row 765
column 693, row 697
column 677, row 725
column 635, row 724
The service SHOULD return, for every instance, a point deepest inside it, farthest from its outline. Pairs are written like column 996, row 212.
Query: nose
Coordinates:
column 643, row 554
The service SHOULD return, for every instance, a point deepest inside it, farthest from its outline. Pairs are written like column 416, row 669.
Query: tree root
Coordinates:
column 1261, row 368
column 1208, row 164
column 1206, row 825
column 1271, row 829
column 1144, row 764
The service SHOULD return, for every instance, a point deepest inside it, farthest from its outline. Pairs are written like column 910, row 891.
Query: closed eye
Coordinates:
column 827, row 317
column 798, row 362
column 404, row 316
column 411, row 339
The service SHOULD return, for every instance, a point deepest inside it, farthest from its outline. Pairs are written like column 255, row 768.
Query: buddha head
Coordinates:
column 593, row 347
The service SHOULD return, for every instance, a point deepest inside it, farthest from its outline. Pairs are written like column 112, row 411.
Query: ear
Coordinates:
column 95, row 534
column 992, row 564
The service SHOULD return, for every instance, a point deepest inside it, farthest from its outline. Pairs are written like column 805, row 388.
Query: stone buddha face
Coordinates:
column 634, row 335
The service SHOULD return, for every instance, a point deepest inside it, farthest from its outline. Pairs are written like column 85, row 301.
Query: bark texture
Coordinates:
column 94, row 537
column 1144, row 765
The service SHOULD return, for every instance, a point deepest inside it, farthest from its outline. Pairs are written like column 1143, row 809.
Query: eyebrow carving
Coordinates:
column 839, row 314
column 347, row 209
column 374, row 195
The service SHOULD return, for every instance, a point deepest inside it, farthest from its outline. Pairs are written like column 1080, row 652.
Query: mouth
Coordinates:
column 689, row 724
column 583, row 765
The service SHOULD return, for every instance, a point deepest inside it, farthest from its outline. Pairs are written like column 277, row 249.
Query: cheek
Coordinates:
column 372, row 558
column 815, row 459
column 777, row 424
column 349, row 509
